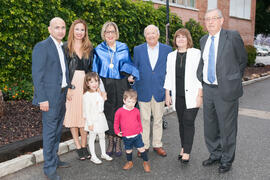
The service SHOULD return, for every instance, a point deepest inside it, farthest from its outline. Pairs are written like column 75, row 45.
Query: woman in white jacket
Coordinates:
column 185, row 88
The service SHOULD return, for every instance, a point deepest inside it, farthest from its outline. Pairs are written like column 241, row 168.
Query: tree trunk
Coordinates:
column 1, row 104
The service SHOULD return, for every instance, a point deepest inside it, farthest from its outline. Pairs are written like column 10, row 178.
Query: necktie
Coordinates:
column 211, row 62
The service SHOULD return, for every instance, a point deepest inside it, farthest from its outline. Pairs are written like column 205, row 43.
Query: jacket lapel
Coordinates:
column 222, row 39
column 145, row 53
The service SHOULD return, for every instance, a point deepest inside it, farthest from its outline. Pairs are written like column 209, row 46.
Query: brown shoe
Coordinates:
column 139, row 154
column 160, row 151
column 146, row 166
column 128, row 165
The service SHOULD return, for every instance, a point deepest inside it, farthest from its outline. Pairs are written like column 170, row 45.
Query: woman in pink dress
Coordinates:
column 79, row 53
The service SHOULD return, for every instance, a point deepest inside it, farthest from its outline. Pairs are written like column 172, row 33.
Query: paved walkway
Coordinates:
column 252, row 160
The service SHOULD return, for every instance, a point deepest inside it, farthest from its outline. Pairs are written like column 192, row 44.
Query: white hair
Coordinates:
column 151, row 25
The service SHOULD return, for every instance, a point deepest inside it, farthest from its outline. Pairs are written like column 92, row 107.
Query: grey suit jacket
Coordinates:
column 230, row 65
column 47, row 73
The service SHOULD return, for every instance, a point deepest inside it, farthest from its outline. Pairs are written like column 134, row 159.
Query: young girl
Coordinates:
column 96, row 122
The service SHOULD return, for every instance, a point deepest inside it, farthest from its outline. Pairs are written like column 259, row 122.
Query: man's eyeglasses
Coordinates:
column 212, row 18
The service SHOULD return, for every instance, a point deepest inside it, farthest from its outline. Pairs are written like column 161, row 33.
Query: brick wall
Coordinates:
column 245, row 27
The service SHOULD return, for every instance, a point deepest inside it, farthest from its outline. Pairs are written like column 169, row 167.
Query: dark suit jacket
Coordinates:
column 47, row 72
column 151, row 81
column 230, row 65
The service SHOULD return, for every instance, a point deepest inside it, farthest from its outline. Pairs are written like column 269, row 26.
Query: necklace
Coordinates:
column 181, row 58
column 111, row 56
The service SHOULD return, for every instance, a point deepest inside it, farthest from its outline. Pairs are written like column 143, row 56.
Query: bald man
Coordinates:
column 51, row 80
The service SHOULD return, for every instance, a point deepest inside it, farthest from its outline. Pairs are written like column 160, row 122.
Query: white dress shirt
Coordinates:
column 206, row 56
column 153, row 55
column 62, row 61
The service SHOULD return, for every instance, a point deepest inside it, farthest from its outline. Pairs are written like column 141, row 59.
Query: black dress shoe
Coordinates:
column 209, row 162
column 62, row 164
column 224, row 168
column 179, row 157
column 53, row 176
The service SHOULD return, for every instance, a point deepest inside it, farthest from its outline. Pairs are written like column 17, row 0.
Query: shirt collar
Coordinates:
column 56, row 42
column 156, row 47
column 127, row 108
column 216, row 35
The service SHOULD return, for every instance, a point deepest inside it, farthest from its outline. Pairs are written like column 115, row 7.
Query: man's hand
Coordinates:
column 44, row 106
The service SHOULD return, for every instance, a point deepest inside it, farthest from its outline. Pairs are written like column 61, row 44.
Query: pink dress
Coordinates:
column 74, row 110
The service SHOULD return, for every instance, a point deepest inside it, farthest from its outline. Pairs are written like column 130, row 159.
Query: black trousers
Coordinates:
column 186, row 118
column 115, row 89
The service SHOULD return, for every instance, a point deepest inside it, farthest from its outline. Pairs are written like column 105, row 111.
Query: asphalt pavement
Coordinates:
column 252, row 161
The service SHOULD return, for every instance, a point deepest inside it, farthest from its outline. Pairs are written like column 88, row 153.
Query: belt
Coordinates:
column 63, row 89
column 211, row 85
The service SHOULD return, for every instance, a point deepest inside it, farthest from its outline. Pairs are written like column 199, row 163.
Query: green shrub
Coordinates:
column 251, row 50
column 196, row 31
column 19, row 90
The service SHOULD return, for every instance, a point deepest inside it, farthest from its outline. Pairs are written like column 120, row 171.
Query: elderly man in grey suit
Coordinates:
column 220, row 70
column 51, row 79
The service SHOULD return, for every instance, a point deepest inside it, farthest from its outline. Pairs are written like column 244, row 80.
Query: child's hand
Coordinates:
column 120, row 134
column 91, row 128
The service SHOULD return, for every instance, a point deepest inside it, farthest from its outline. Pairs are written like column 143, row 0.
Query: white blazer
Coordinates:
column 192, row 84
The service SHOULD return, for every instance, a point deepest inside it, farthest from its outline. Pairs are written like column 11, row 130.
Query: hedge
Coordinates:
column 23, row 23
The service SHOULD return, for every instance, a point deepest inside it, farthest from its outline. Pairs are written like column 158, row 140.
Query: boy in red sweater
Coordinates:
column 127, row 124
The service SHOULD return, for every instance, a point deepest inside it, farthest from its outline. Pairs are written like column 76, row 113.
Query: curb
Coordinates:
column 24, row 161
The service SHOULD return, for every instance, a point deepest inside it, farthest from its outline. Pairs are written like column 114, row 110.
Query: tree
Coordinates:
column 262, row 25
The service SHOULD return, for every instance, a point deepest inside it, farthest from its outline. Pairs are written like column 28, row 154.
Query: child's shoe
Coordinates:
column 146, row 166
column 95, row 160
column 128, row 165
column 106, row 157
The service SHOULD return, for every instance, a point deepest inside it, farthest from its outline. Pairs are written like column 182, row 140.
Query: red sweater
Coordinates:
column 127, row 122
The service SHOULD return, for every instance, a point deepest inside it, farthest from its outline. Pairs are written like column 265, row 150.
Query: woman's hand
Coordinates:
column 91, row 128
column 130, row 79
column 103, row 95
column 69, row 94
column 199, row 100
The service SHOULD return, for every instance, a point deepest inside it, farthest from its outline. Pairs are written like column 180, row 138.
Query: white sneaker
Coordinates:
column 95, row 160
column 106, row 157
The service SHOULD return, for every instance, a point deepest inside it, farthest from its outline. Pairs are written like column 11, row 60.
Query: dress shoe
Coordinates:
column 160, row 151
column 128, row 165
column 139, row 154
column 209, row 162
column 179, row 157
column 53, row 176
column 184, row 161
column 224, row 168
column 62, row 164
column 146, row 166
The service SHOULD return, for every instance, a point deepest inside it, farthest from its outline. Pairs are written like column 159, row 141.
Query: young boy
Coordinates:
column 127, row 124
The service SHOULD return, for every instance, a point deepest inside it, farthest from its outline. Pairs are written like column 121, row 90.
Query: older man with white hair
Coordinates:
column 150, row 58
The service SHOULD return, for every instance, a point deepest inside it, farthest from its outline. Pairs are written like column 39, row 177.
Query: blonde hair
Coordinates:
column 105, row 26
column 132, row 94
column 86, row 47
column 88, row 77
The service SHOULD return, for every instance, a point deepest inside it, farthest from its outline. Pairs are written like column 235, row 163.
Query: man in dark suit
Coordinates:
column 50, row 78
column 150, row 59
column 220, row 70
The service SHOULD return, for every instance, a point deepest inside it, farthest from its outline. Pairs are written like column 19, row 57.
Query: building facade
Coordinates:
column 238, row 14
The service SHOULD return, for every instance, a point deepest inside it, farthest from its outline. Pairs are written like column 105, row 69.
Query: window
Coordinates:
column 240, row 8
column 212, row 4
column 186, row 3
